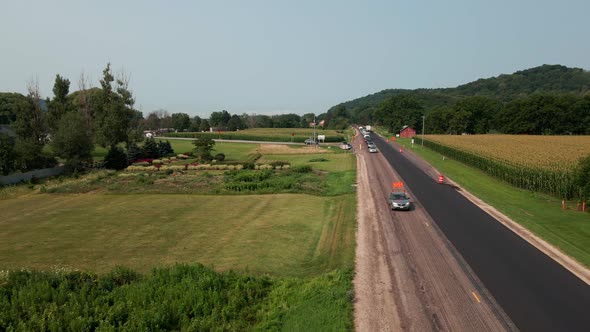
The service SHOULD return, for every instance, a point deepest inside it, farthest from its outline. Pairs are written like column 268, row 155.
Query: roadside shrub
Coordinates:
column 280, row 163
column 150, row 148
column 116, row 158
column 157, row 162
column 165, row 148
column 118, row 277
column 73, row 165
column 134, row 153
column 220, row 157
column 302, row 169
column 141, row 163
column 182, row 156
column 318, row 160
column 249, row 165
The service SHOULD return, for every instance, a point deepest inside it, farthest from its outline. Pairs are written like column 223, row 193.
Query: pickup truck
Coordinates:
column 310, row 141
column 399, row 201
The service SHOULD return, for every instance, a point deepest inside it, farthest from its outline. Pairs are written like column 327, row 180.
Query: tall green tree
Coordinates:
column 235, row 123
column 264, row 121
column 150, row 148
column 60, row 104
column 290, row 120
column 70, row 140
column 136, row 127
column 437, row 121
column 7, row 154
column 31, row 131
column 481, row 110
column 306, row 119
column 399, row 111
column 180, row 121
column 115, row 113
column 203, row 148
column 30, row 118
column 10, row 103
column 204, row 126
column 195, row 124
column 219, row 119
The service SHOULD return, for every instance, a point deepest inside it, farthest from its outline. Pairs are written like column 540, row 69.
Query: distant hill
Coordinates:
column 505, row 88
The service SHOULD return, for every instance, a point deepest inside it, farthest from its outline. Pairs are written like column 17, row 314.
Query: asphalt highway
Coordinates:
column 537, row 293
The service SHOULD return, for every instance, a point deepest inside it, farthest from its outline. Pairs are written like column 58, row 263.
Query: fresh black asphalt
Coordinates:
column 537, row 293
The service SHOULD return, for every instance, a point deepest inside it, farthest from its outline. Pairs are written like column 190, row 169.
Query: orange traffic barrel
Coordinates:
column 441, row 179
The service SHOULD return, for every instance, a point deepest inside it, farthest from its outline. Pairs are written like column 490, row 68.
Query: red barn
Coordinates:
column 407, row 132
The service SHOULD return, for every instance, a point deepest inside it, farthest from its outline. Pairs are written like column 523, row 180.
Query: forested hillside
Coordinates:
column 549, row 99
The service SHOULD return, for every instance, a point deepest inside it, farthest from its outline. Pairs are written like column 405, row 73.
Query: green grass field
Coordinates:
column 568, row 230
column 285, row 235
column 292, row 248
column 80, row 223
column 233, row 151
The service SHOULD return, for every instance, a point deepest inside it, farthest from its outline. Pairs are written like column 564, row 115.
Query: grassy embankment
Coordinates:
column 297, row 248
column 568, row 230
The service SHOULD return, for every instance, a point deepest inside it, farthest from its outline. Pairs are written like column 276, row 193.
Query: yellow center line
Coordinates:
column 476, row 297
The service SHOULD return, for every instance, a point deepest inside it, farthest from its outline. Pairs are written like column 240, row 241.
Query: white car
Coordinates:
column 373, row 149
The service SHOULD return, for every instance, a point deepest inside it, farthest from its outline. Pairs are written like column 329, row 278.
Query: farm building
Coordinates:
column 407, row 132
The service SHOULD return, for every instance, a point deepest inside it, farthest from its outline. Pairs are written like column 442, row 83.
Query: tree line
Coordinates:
column 69, row 125
column 538, row 114
column 181, row 122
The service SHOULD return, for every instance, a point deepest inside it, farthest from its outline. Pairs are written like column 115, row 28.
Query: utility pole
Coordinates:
column 423, row 117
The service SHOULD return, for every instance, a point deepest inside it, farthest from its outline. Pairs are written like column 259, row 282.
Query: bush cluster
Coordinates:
column 178, row 298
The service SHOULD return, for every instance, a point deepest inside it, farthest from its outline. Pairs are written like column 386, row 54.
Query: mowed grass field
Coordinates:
column 282, row 234
column 277, row 234
column 233, row 151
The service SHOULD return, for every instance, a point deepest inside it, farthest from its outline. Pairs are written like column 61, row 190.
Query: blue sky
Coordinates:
column 272, row 57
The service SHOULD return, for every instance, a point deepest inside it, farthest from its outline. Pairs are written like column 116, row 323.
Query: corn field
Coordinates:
column 537, row 163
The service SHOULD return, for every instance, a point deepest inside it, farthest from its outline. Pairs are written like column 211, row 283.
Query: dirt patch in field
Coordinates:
column 287, row 149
